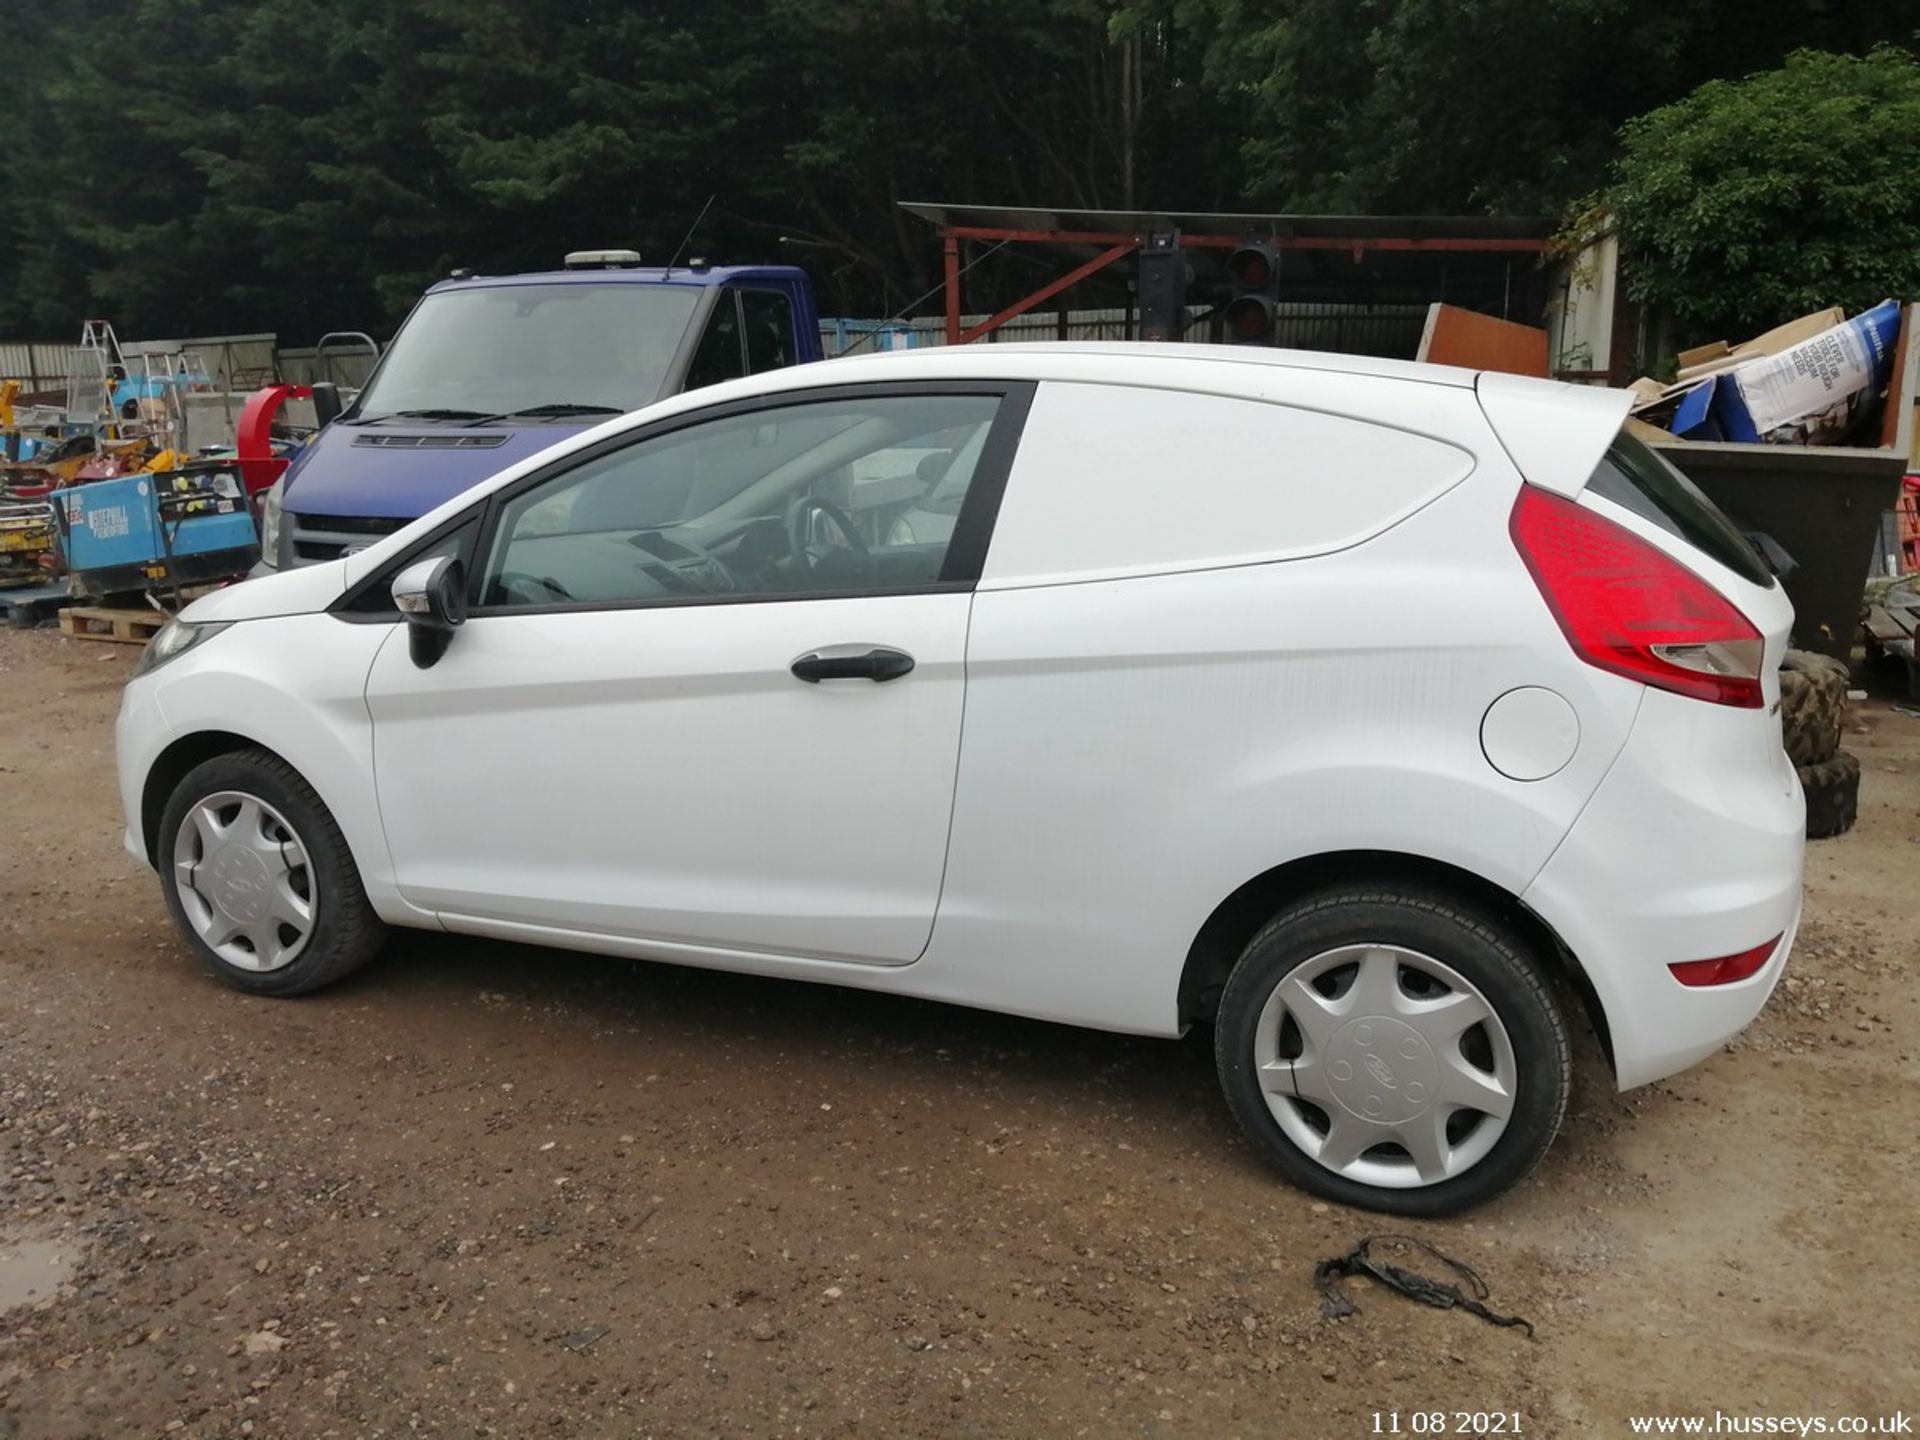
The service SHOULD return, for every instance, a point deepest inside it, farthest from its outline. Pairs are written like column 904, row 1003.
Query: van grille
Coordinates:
column 328, row 537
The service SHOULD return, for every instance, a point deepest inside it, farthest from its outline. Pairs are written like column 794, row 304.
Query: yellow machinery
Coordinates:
column 29, row 543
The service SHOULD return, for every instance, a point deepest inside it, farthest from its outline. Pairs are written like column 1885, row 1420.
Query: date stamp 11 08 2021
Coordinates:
column 1476, row 1423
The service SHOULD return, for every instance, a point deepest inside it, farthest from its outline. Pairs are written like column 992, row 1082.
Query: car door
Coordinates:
column 691, row 704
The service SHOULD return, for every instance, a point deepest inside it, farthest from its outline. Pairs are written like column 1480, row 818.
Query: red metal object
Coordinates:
column 1046, row 292
column 1356, row 246
column 107, row 467
column 253, row 436
column 951, row 245
column 1907, row 520
column 1117, row 244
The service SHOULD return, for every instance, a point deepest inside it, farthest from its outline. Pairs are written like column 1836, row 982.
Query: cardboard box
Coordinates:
column 1641, row 430
column 1712, row 359
column 1646, row 392
column 1812, row 389
column 1690, row 373
column 1703, row 355
column 1782, row 337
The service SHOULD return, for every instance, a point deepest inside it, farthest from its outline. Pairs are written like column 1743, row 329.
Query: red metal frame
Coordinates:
column 957, row 336
column 253, row 436
column 1118, row 245
column 1228, row 242
column 950, row 243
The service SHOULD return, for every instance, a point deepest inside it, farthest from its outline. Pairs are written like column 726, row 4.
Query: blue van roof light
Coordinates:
column 602, row 259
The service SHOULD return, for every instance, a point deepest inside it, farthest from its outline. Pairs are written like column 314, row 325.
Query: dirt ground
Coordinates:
column 486, row 1190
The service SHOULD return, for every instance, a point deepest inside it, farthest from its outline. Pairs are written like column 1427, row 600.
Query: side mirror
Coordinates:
column 326, row 403
column 431, row 596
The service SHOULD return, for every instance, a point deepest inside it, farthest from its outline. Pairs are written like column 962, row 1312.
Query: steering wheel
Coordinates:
column 531, row 589
column 801, row 509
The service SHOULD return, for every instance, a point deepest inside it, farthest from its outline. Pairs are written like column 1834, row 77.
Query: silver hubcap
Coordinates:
column 244, row 881
column 1385, row 1066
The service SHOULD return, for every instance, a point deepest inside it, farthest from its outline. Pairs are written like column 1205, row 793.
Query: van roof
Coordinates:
column 630, row 275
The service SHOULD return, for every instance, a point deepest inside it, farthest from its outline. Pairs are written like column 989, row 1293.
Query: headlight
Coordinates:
column 174, row 639
column 270, row 526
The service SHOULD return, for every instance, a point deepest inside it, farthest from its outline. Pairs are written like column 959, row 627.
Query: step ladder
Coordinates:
column 92, row 368
column 166, row 379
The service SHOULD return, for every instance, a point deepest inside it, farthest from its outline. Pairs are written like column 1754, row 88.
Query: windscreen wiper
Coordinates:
column 557, row 408
column 429, row 414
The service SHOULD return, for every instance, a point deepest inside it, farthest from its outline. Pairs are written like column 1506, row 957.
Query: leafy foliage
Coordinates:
column 1794, row 189
column 187, row 166
column 1395, row 106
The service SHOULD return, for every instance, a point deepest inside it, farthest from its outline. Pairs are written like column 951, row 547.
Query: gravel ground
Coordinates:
column 488, row 1190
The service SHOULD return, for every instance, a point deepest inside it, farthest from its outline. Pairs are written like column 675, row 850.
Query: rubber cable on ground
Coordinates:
column 1360, row 1260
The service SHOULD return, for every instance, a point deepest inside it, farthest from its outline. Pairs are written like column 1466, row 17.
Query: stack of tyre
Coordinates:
column 1813, row 710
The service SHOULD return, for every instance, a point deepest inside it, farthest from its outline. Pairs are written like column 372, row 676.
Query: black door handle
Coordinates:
column 877, row 665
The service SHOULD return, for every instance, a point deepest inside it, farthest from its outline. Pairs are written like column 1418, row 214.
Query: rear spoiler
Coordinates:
column 1553, row 432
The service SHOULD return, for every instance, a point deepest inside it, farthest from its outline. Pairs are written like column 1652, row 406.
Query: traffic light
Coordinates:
column 1164, row 274
column 1253, row 270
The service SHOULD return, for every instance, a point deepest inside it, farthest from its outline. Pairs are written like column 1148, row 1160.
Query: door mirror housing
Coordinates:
column 431, row 596
column 327, row 405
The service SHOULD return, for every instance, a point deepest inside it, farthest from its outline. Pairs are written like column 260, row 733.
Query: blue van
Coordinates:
column 487, row 370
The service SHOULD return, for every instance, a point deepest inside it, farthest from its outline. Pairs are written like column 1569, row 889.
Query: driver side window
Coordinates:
column 837, row 496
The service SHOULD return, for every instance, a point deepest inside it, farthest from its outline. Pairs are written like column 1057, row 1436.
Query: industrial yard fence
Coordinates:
column 225, row 362
column 36, row 366
column 236, row 363
column 1388, row 331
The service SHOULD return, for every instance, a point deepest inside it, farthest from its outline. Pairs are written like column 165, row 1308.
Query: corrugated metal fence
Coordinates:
column 37, row 366
column 1389, row 331
column 228, row 362
column 346, row 368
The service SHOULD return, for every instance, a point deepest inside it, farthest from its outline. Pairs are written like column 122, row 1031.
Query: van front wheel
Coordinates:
column 259, row 879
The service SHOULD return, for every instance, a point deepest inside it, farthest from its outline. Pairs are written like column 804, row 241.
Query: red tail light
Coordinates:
column 1727, row 969
column 1626, row 606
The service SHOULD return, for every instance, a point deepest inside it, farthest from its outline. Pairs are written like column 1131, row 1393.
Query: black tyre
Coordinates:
column 259, row 880
column 1813, row 705
column 1833, row 795
column 1394, row 1049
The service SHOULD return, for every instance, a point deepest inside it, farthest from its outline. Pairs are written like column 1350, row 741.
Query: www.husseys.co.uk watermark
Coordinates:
column 1722, row 1423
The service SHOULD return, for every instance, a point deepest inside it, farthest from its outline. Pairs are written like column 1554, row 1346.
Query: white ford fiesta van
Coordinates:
column 1385, row 717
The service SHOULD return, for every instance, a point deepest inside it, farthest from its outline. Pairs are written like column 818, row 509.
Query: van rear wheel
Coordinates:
column 259, row 880
column 1393, row 1049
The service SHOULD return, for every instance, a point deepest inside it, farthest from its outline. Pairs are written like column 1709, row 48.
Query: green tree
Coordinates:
column 1752, row 201
column 188, row 166
column 1005, row 102
column 1389, row 106
column 303, row 166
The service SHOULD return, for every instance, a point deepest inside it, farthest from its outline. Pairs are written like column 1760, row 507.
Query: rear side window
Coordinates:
column 1115, row 480
column 1632, row 475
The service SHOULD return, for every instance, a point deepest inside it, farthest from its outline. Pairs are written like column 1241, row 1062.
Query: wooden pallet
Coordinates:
column 95, row 622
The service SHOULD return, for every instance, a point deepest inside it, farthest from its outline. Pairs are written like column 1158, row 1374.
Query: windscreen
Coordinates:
column 505, row 349
column 1633, row 475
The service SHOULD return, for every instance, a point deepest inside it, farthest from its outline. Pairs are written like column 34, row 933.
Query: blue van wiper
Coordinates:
column 429, row 414
column 557, row 408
